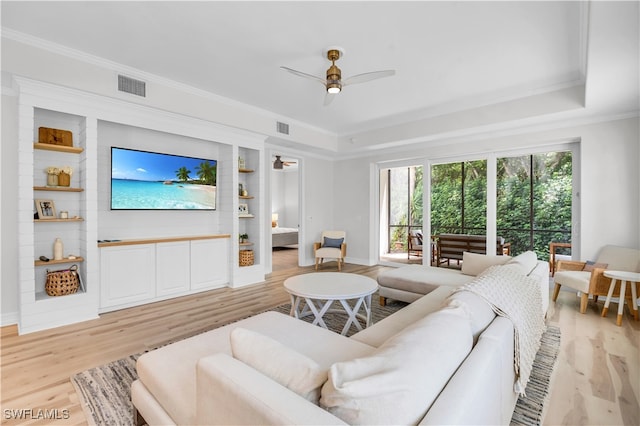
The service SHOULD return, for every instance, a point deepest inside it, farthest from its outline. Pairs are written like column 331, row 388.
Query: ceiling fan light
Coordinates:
column 334, row 87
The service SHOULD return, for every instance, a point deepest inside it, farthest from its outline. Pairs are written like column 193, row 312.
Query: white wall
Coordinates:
column 610, row 182
column 121, row 224
column 9, row 214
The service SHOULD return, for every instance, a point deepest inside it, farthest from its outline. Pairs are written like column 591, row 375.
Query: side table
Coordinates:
column 625, row 277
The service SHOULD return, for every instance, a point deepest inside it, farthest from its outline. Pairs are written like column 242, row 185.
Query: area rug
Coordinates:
column 104, row 391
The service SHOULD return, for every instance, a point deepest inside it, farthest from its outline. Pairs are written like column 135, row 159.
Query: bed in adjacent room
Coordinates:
column 281, row 237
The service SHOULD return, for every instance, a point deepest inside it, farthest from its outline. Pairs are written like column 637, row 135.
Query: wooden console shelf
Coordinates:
column 58, row 262
column 245, row 197
column 59, row 148
column 76, row 219
column 115, row 243
column 57, row 188
column 245, row 171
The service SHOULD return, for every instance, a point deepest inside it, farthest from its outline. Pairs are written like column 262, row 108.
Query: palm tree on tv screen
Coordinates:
column 183, row 174
column 207, row 173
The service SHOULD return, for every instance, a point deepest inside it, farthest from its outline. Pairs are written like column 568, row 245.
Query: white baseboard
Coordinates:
column 9, row 318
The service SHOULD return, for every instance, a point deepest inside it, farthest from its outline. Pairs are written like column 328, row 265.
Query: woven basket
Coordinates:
column 246, row 257
column 63, row 282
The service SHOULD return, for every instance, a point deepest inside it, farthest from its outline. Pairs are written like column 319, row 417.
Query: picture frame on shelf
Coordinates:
column 46, row 209
column 243, row 209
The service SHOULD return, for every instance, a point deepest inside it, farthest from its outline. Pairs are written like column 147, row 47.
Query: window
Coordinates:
column 533, row 199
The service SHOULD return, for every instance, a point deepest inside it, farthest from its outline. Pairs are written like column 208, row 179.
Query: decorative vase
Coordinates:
column 52, row 179
column 57, row 249
column 64, row 179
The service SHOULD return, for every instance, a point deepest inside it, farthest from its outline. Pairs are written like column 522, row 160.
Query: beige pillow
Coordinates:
column 526, row 261
column 398, row 382
column 591, row 265
column 291, row 369
column 474, row 263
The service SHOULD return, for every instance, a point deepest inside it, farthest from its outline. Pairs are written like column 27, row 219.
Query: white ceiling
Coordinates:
column 448, row 56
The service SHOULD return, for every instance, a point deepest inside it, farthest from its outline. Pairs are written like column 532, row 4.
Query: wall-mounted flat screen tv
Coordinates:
column 142, row 180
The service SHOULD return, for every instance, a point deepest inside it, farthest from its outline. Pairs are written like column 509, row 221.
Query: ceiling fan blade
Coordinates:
column 305, row 75
column 328, row 98
column 368, row 76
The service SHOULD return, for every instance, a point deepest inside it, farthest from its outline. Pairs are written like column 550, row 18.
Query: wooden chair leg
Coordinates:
column 383, row 301
column 316, row 263
column 583, row 302
column 556, row 291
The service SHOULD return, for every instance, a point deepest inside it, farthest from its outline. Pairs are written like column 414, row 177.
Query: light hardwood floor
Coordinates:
column 596, row 381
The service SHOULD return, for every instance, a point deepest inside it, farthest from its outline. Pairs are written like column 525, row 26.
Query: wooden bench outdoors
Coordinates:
column 451, row 247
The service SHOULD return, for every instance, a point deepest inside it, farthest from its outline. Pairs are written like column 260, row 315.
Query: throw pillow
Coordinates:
column 332, row 242
column 591, row 265
column 398, row 382
column 474, row 263
column 481, row 313
column 291, row 369
column 526, row 261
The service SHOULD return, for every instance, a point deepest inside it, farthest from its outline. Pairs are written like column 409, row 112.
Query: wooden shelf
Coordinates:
column 245, row 171
column 57, row 188
column 77, row 219
column 246, row 216
column 59, row 262
column 246, row 243
column 113, row 243
column 58, row 148
column 245, row 197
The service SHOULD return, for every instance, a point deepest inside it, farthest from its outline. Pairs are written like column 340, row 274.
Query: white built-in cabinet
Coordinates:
column 209, row 263
column 173, row 268
column 133, row 272
column 127, row 275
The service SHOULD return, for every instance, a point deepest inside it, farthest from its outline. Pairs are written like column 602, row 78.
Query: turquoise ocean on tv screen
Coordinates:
column 141, row 195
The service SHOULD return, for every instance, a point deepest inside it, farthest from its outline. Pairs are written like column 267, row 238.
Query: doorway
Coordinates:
column 285, row 212
column 401, row 190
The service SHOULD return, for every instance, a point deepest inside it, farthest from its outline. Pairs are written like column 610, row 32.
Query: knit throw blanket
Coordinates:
column 517, row 297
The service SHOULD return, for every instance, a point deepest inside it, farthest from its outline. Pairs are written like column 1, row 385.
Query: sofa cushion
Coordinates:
column 480, row 313
column 421, row 279
column 378, row 333
column 526, row 261
column 474, row 263
column 398, row 382
column 277, row 361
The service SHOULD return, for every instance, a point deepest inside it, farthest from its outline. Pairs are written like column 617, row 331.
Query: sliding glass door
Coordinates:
column 533, row 199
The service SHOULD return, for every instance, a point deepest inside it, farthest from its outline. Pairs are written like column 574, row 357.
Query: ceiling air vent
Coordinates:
column 283, row 128
column 130, row 85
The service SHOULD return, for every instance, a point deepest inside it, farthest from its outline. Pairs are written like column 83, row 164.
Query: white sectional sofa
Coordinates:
column 444, row 359
column 411, row 282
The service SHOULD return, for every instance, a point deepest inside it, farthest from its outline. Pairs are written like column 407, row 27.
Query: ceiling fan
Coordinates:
column 278, row 164
column 334, row 83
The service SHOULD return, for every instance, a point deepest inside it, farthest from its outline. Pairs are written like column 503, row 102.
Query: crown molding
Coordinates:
column 150, row 77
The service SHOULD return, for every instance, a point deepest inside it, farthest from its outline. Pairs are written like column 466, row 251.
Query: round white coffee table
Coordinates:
column 625, row 277
column 320, row 289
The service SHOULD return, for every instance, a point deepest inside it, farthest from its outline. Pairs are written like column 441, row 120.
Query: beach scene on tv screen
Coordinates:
column 143, row 180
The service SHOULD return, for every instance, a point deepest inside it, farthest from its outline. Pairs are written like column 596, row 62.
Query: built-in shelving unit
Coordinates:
column 155, row 268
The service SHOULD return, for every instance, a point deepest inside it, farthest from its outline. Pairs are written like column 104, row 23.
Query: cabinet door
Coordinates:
column 209, row 263
column 127, row 274
column 172, row 268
